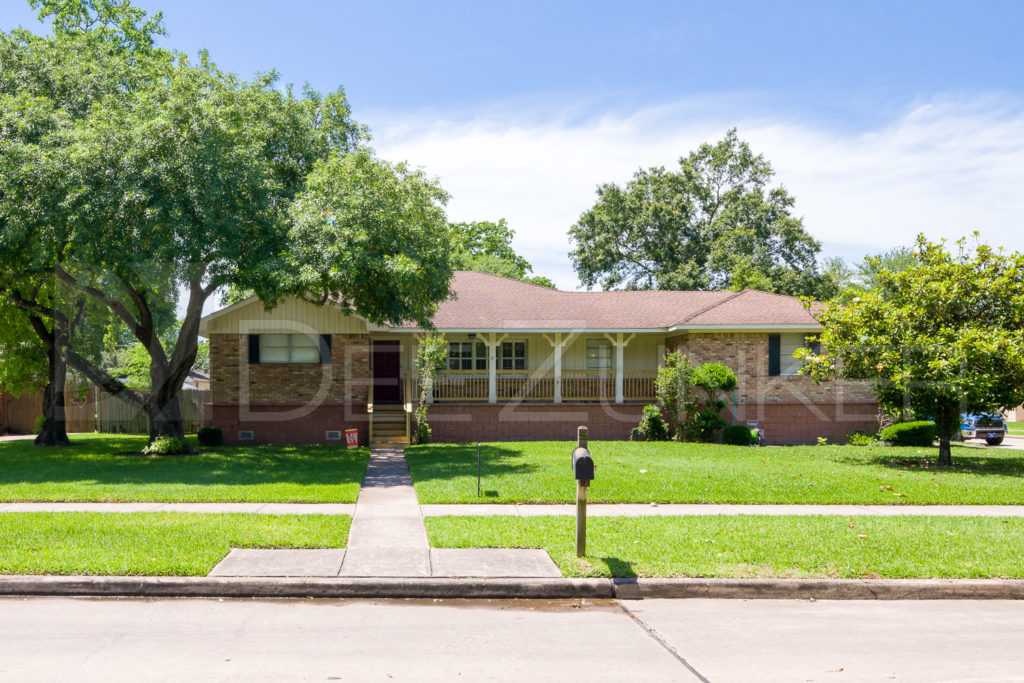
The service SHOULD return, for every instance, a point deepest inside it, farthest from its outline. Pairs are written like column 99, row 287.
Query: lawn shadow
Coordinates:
column 100, row 460
column 985, row 465
column 618, row 567
column 455, row 461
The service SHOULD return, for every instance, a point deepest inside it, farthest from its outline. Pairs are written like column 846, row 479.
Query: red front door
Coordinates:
column 386, row 372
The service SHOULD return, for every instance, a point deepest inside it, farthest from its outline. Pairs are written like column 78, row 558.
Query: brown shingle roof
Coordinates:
column 489, row 302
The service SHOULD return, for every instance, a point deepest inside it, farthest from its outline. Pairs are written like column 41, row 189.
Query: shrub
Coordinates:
column 37, row 427
column 921, row 434
column 164, row 445
column 211, row 436
column 860, row 440
column 423, row 432
column 652, row 424
column 738, row 435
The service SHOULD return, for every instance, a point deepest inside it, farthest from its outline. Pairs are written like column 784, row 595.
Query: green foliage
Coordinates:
column 712, row 224
column 486, row 247
column 738, row 435
column 164, row 445
column 941, row 337
column 672, row 388
column 431, row 358
column 38, row 424
column 210, row 436
column 860, row 440
column 713, row 378
column 920, row 434
column 372, row 236
column 850, row 283
column 652, row 425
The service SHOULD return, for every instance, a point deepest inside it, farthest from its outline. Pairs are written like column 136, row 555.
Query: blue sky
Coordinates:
column 882, row 118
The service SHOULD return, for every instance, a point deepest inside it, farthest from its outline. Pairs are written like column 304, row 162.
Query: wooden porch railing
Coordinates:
column 539, row 385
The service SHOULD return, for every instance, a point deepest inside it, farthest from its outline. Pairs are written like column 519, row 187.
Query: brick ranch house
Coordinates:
column 525, row 363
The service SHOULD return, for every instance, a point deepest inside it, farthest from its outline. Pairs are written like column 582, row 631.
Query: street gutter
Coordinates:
column 521, row 588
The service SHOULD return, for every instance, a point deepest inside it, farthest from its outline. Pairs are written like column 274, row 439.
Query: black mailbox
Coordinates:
column 582, row 464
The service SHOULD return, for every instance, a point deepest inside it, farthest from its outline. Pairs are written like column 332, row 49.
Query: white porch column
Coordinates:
column 619, row 342
column 492, row 371
column 491, row 341
column 558, row 343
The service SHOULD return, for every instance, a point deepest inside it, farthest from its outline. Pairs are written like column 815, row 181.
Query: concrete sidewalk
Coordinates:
column 525, row 510
column 388, row 539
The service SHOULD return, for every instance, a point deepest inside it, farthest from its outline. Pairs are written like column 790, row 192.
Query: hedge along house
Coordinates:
column 525, row 363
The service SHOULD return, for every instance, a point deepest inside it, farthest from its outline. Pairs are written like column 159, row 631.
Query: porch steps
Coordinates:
column 389, row 424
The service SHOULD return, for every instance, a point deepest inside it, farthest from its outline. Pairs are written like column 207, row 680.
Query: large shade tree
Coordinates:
column 715, row 223
column 942, row 336
column 187, row 179
column 486, row 247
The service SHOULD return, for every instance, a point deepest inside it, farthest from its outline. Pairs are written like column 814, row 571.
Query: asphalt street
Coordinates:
column 46, row 639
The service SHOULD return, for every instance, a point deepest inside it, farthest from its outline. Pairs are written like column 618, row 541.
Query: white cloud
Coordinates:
column 945, row 167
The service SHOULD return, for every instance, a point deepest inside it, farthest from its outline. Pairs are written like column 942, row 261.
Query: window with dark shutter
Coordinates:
column 774, row 355
column 325, row 348
column 254, row 348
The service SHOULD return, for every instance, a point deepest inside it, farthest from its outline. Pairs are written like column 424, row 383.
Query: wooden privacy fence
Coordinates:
column 88, row 410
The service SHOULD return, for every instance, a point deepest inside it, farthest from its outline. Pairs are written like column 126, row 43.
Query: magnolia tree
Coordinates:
column 942, row 337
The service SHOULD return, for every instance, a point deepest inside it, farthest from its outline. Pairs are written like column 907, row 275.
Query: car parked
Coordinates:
column 992, row 428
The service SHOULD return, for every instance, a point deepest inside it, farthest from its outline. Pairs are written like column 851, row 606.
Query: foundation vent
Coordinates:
column 246, row 435
column 333, row 435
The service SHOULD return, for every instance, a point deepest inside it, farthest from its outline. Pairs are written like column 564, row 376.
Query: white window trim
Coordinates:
column 606, row 344
column 526, row 355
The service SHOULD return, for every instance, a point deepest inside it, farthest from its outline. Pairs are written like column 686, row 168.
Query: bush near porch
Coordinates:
column 108, row 467
column 637, row 472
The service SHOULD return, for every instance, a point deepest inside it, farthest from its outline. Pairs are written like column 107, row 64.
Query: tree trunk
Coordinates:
column 945, row 422
column 54, row 430
column 166, row 420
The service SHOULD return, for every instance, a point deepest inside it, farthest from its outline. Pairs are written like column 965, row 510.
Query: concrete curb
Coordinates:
column 624, row 589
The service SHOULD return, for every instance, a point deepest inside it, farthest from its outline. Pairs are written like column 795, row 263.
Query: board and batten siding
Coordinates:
column 291, row 315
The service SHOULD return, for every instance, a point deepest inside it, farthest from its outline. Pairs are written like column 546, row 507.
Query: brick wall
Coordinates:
column 458, row 422
column 784, row 423
column 289, row 402
column 747, row 356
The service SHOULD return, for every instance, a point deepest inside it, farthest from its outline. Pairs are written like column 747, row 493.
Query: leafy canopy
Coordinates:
column 943, row 336
column 713, row 224
column 486, row 247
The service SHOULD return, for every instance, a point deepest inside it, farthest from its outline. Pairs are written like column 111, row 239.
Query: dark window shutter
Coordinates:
column 774, row 355
column 254, row 348
column 325, row 348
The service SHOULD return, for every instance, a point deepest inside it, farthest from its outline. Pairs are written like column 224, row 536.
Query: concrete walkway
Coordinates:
column 388, row 539
column 474, row 510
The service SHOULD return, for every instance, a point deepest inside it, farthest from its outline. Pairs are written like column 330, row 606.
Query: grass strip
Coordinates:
column 103, row 468
column 151, row 543
column 756, row 546
column 636, row 472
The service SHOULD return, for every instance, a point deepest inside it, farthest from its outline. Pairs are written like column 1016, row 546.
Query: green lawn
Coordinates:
column 534, row 472
column 1015, row 428
column 101, row 468
column 152, row 543
column 757, row 546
